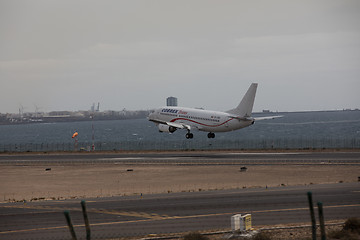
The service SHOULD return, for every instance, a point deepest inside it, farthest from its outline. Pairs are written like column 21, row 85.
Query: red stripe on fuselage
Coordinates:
column 175, row 119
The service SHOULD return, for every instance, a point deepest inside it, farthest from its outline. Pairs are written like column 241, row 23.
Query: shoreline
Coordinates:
column 35, row 119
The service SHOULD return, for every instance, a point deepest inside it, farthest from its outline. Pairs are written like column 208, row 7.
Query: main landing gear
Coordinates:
column 189, row 135
column 211, row 135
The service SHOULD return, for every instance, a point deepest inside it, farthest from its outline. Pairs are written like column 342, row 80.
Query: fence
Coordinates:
column 137, row 217
column 243, row 144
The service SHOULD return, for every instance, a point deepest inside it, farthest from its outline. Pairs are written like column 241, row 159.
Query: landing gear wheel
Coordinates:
column 189, row 135
column 211, row 135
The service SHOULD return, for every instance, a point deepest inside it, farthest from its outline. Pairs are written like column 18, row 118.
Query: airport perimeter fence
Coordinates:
column 188, row 145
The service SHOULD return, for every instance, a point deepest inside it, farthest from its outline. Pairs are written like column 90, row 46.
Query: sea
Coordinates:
column 295, row 130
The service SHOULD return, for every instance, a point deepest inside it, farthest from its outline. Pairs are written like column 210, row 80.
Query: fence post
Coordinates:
column 321, row 220
column 71, row 228
column 312, row 215
column 86, row 220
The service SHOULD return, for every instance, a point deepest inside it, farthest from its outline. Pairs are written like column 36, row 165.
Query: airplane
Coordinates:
column 169, row 119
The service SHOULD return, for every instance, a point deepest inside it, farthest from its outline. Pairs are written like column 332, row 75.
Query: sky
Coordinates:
column 133, row 54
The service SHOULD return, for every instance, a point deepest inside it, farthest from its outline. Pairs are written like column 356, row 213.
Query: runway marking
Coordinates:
column 142, row 158
column 120, row 158
column 265, row 153
column 164, row 217
column 93, row 210
column 130, row 214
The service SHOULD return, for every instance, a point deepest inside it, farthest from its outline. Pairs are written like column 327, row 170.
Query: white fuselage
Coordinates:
column 203, row 120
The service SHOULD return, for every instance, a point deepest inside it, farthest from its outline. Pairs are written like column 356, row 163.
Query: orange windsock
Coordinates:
column 75, row 134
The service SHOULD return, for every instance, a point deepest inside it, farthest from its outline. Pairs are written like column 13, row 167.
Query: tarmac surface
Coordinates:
column 215, row 157
column 174, row 213
column 187, row 207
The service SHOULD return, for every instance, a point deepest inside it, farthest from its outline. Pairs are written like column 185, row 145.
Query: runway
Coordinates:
column 141, row 215
column 216, row 157
column 175, row 213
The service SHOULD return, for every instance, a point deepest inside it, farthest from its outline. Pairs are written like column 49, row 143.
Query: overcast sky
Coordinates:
column 68, row 54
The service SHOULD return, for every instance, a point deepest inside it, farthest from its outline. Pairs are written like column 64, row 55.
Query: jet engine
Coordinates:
column 166, row 128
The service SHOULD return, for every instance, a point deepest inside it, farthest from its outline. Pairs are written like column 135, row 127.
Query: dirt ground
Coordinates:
column 21, row 182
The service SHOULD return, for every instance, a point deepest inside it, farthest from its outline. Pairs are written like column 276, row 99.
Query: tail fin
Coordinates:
column 244, row 109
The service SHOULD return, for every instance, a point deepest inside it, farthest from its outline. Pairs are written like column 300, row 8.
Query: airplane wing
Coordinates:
column 267, row 118
column 179, row 125
column 172, row 124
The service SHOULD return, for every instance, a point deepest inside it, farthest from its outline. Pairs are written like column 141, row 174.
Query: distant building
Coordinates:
column 171, row 101
column 93, row 109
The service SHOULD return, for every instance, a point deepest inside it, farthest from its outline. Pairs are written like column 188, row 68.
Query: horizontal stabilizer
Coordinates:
column 267, row 118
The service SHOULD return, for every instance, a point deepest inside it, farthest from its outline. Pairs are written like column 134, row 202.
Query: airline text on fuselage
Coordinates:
column 169, row 110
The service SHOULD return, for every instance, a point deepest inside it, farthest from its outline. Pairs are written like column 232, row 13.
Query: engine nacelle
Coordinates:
column 166, row 128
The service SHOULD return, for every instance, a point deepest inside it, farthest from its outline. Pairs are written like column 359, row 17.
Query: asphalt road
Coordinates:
column 186, row 158
column 179, row 212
